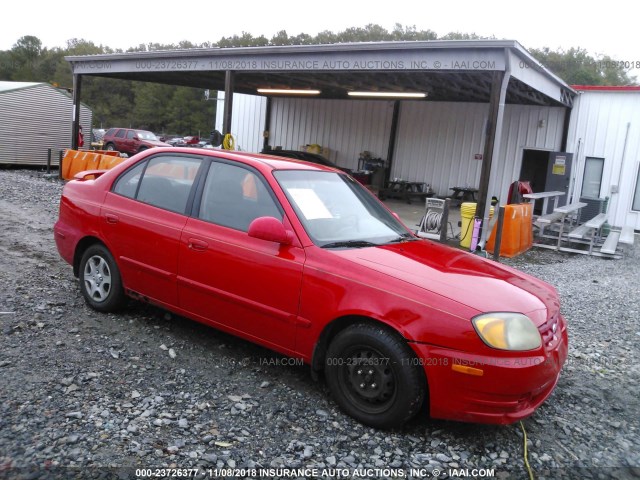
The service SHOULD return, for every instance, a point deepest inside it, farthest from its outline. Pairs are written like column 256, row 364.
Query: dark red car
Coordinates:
column 302, row 259
column 130, row 141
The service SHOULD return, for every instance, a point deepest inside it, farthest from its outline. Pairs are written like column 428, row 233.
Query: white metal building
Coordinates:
column 439, row 143
column 604, row 134
column 35, row 117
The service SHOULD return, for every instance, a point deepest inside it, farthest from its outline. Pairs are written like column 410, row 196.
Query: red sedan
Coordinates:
column 302, row 259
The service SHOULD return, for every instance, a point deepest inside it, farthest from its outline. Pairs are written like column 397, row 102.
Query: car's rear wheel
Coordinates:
column 110, row 146
column 374, row 375
column 100, row 280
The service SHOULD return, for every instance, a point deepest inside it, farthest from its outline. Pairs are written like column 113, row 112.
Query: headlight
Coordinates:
column 507, row 331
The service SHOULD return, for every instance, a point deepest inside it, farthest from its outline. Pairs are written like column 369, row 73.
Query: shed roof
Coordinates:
column 9, row 86
column 444, row 70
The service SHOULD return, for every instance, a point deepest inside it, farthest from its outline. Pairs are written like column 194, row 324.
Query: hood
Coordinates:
column 155, row 143
column 480, row 284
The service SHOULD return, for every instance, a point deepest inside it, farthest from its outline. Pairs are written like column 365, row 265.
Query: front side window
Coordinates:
column 336, row 211
column 131, row 135
column 164, row 181
column 234, row 196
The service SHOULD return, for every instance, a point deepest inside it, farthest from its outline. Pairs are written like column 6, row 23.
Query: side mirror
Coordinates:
column 270, row 229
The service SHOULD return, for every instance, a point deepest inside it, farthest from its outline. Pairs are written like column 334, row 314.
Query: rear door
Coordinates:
column 242, row 284
column 129, row 142
column 120, row 140
column 142, row 218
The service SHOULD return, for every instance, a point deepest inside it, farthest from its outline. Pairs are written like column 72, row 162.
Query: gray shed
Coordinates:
column 35, row 117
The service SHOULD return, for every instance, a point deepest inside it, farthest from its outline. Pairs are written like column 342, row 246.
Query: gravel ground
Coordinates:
column 85, row 394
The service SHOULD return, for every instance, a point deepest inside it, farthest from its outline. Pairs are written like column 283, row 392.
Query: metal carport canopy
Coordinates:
column 488, row 71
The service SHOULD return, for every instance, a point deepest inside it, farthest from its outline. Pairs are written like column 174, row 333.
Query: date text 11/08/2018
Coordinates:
column 314, row 472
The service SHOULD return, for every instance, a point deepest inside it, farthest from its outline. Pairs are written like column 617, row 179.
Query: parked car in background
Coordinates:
column 304, row 260
column 130, row 141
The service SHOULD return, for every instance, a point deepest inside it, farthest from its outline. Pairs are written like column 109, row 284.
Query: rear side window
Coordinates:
column 127, row 184
column 164, row 181
column 234, row 196
column 120, row 133
column 110, row 132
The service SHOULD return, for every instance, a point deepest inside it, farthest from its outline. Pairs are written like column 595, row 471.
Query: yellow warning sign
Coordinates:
column 558, row 169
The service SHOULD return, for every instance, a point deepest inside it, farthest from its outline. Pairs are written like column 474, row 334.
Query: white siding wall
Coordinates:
column 346, row 127
column 437, row 142
column 599, row 129
column 247, row 120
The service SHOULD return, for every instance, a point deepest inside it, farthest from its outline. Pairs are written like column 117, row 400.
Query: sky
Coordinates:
column 600, row 29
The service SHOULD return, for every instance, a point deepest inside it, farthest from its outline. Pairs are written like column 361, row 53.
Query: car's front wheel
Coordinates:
column 374, row 375
column 100, row 280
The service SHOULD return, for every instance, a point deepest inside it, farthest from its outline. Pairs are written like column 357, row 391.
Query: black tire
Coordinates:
column 142, row 149
column 110, row 146
column 374, row 376
column 100, row 280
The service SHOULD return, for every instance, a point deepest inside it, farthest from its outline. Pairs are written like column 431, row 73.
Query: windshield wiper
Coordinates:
column 405, row 237
column 350, row 243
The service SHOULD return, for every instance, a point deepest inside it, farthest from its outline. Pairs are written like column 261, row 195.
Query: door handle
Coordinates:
column 111, row 218
column 198, row 245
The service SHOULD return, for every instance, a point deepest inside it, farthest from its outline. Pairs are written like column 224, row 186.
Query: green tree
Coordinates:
column 577, row 67
column 25, row 56
column 188, row 113
column 150, row 110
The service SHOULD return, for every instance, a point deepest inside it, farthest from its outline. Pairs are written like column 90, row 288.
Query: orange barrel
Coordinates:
column 511, row 232
column 526, row 232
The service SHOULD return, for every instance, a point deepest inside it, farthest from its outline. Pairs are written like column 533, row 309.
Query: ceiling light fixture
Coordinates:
column 286, row 91
column 388, row 94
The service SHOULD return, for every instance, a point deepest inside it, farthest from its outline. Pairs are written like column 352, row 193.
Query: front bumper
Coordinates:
column 500, row 389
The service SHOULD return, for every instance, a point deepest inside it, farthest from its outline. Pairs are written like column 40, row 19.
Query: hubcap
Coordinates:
column 97, row 278
column 369, row 379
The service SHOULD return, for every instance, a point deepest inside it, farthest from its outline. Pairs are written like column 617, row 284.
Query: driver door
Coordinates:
column 241, row 284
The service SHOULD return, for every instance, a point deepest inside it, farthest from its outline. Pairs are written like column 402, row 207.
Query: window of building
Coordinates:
column 592, row 178
column 636, row 195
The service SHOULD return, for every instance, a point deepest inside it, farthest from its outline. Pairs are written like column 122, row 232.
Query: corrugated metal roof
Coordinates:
column 9, row 86
column 448, row 70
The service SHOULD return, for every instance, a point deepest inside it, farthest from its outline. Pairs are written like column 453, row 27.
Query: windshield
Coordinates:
column 336, row 211
column 144, row 135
